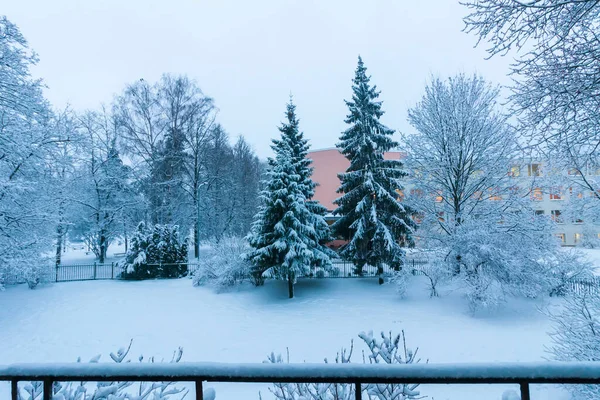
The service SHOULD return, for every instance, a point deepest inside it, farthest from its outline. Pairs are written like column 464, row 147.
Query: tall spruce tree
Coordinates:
column 289, row 230
column 371, row 215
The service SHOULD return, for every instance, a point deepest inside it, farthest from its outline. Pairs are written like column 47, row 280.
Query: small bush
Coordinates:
column 388, row 349
column 224, row 265
column 109, row 390
column 320, row 273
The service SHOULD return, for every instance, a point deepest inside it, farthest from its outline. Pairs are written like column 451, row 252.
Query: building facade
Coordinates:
column 551, row 201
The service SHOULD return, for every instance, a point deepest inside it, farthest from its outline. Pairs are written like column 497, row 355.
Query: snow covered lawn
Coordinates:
column 62, row 321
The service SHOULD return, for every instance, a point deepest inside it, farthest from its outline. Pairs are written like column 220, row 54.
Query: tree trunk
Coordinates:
column 196, row 243
column 125, row 235
column 102, row 248
column 290, row 286
column 380, row 273
column 59, row 243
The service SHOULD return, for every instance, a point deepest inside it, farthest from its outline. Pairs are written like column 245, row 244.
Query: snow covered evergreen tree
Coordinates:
column 371, row 215
column 155, row 253
column 289, row 231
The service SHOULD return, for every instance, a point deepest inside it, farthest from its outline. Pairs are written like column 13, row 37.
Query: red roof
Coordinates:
column 327, row 164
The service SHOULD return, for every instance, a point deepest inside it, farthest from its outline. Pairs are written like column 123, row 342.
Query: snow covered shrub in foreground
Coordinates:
column 225, row 265
column 110, row 390
column 576, row 337
column 155, row 252
column 385, row 350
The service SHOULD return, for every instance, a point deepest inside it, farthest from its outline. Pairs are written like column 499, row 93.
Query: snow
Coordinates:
column 593, row 256
column 59, row 322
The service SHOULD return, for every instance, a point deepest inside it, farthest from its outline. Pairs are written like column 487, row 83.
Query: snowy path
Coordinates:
column 63, row 321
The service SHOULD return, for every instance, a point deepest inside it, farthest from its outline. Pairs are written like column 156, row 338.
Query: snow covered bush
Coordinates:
column 225, row 265
column 401, row 280
column 576, row 336
column 388, row 349
column 32, row 272
column 155, row 252
column 109, row 390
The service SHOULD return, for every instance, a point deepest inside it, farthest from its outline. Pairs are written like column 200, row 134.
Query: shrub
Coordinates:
column 109, row 390
column 388, row 349
column 225, row 265
column 155, row 253
column 576, row 336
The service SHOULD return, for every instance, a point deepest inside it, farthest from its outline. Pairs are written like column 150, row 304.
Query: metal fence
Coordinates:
column 357, row 375
column 86, row 272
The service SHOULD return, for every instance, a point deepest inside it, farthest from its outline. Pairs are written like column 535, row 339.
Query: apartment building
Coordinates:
column 547, row 200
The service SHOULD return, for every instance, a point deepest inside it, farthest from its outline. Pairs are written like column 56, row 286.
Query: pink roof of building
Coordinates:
column 327, row 164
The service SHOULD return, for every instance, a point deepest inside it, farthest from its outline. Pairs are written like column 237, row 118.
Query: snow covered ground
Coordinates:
column 59, row 322
column 593, row 256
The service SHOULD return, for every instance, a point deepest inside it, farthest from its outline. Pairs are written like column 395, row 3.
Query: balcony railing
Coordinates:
column 522, row 374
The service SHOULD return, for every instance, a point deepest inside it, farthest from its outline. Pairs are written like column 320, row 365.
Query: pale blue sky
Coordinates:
column 249, row 55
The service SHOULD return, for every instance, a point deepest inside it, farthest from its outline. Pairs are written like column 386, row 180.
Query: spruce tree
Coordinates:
column 289, row 231
column 371, row 215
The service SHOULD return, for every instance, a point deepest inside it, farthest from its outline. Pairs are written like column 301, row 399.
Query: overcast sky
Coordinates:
column 249, row 55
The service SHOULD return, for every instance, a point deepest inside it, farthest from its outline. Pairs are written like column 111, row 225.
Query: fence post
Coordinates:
column 57, row 267
column 94, row 270
column 112, row 270
column 357, row 391
column 47, row 395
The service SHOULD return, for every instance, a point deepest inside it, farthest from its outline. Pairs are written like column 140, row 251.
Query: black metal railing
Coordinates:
column 359, row 375
column 86, row 272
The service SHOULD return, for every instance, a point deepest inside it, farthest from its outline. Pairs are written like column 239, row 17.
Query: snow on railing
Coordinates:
column 523, row 374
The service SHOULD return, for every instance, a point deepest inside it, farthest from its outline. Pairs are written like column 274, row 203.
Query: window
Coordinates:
column 400, row 195
column 515, row 171
column 418, row 217
column 534, row 170
column 439, row 198
column 495, row 194
column 440, row 216
column 556, row 193
column 416, row 192
column 561, row 237
column 578, row 220
column 539, row 212
column 537, row 194
column 594, row 167
column 578, row 237
column 575, row 193
column 574, row 171
column 556, row 216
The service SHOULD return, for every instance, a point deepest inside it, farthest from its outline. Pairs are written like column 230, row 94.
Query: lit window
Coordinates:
column 515, row 171
column 556, row 216
column 537, row 194
column 575, row 193
column 495, row 194
column 439, row 198
column 400, row 194
column 578, row 237
column 561, row 237
column 534, row 169
column 418, row 217
column 556, row 193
